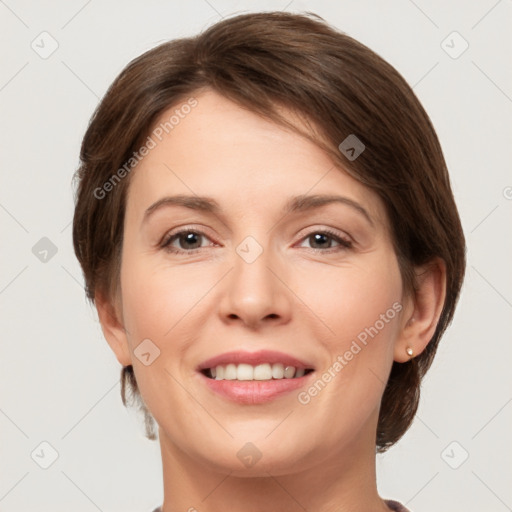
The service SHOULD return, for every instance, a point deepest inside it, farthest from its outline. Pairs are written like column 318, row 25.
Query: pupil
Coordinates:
column 320, row 237
column 189, row 239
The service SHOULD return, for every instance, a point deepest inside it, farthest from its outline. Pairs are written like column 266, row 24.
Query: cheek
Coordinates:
column 361, row 306
column 349, row 301
column 158, row 305
column 156, row 299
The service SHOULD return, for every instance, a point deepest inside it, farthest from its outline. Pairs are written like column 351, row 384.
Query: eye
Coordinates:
column 322, row 240
column 188, row 241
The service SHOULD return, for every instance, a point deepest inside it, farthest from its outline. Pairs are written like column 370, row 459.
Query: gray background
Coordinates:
column 59, row 381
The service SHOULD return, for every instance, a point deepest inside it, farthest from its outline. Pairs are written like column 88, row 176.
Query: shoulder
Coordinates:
column 392, row 504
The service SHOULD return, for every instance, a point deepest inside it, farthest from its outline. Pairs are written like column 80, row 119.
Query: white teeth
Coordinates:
column 265, row 371
column 230, row 372
column 289, row 372
column 277, row 371
column 244, row 372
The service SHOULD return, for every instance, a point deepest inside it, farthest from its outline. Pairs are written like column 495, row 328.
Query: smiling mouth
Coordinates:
column 260, row 372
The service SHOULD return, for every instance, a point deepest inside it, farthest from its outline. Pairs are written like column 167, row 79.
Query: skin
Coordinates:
column 308, row 300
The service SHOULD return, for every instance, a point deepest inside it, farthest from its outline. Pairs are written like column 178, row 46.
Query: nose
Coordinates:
column 255, row 294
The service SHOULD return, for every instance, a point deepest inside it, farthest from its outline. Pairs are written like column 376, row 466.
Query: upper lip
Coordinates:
column 254, row 359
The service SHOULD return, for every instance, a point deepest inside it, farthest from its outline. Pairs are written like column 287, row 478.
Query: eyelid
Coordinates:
column 344, row 240
column 328, row 230
column 165, row 241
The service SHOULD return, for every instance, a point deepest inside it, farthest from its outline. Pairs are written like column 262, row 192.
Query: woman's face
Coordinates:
column 256, row 283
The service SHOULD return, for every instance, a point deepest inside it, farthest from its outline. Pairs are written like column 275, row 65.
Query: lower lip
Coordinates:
column 254, row 392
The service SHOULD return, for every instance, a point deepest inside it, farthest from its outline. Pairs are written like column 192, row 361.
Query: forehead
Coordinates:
column 222, row 150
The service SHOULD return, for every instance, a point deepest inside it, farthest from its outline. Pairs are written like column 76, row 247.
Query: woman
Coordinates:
column 266, row 227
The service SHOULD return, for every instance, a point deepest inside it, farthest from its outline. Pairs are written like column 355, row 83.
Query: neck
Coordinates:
column 344, row 481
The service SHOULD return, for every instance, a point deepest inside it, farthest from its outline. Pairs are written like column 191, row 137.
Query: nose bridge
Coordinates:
column 253, row 293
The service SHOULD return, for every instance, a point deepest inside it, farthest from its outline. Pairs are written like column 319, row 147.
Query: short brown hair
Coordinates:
column 265, row 61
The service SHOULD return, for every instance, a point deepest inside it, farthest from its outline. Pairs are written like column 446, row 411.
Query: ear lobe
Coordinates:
column 427, row 304
column 112, row 328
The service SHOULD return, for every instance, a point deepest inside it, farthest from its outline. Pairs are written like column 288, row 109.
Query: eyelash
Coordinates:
column 343, row 243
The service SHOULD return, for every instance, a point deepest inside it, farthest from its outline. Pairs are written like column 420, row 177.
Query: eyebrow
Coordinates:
column 294, row 204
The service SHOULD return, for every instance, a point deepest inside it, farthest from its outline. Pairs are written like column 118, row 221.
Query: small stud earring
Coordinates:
column 409, row 351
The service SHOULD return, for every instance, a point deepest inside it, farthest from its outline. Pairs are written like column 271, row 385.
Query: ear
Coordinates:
column 111, row 322
column 422, row 311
